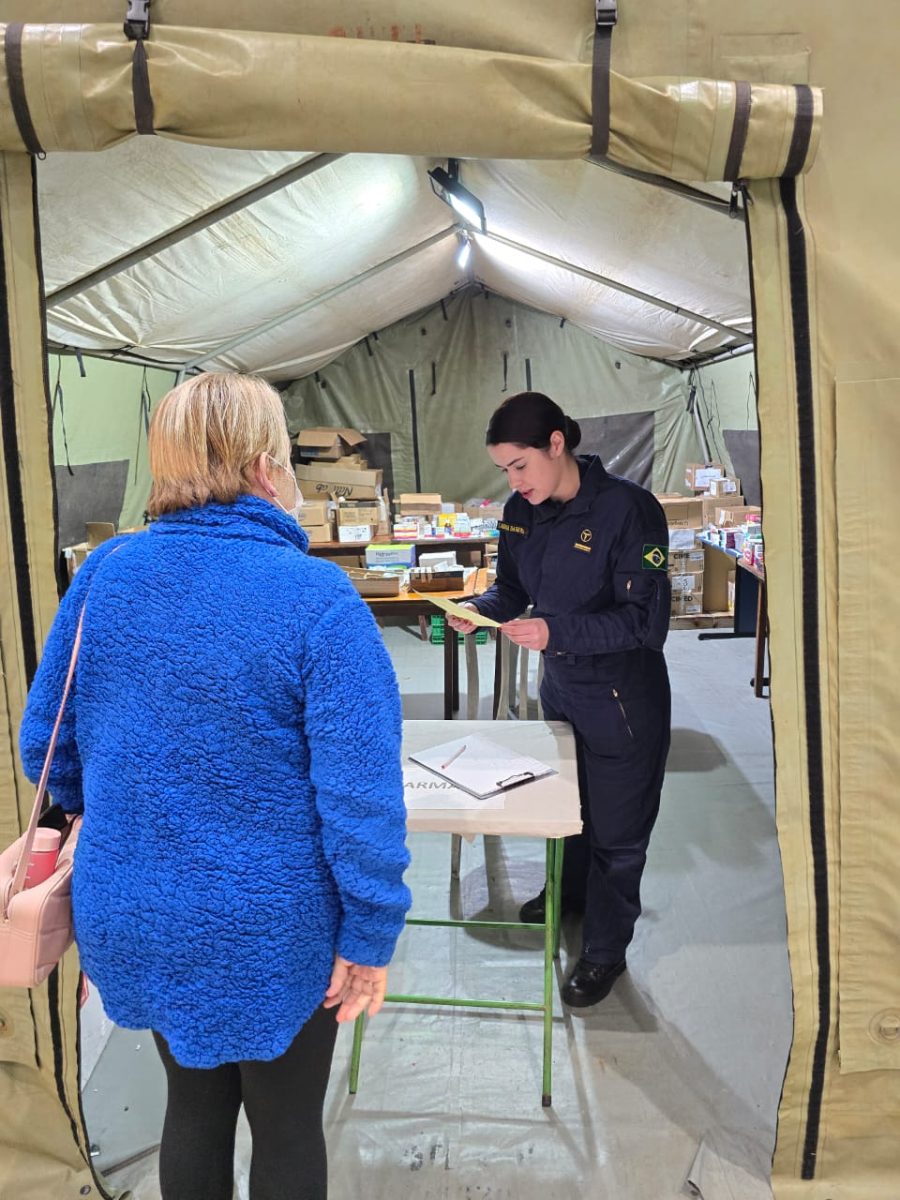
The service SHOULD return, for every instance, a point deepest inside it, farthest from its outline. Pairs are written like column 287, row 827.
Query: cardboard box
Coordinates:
column 438, row 558
column 419, row 504
column 345, row 560
column 357, row 514
column 314, row 512
column 686, row 584
column 319, row 533
column 687, row 604
column 319, row 479
column 404, row 531
column 726, row 518
column 684, row 513
column 384, row 555
column 697, row 476
column 99, row 531
column 326, row 443
column 483, row 510
column 682, row 539
column 354, row 533
column 686, row 562
column 690, row 605
column 726, row 486
column 378, row 583
column 712, row 505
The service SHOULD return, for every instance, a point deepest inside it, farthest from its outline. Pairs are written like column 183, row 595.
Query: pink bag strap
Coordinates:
column 18, row 882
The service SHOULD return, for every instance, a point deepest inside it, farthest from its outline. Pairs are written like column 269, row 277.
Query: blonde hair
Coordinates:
column 207, row 434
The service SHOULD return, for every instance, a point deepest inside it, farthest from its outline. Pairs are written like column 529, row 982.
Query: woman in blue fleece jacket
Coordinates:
column 233, row 740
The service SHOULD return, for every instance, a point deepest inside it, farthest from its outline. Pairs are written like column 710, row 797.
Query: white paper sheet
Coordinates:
column 423, row 789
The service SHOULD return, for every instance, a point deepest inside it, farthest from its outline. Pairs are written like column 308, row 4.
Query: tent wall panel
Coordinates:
column 868, row 434
column 487, row 349
column 102, row 420
column 43, row 1146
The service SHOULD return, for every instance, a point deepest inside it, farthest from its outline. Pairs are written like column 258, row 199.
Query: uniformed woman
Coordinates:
column 588, row 551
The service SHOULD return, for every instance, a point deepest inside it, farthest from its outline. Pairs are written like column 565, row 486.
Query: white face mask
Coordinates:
column 294, row 510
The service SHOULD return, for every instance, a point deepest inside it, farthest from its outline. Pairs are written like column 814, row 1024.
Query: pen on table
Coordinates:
column 453, row 757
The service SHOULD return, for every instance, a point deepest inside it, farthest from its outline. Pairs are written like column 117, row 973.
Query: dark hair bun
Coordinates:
column 573, row 433
column 530, row 419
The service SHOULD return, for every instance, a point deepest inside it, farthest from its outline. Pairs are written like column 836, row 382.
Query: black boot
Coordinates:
column 590, row 982
column 533, row 912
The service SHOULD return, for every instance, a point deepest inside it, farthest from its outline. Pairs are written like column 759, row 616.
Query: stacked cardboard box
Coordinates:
column 318, row 480
column 326, row 444
column 686, row 580
column 419, row 504
column 684, row 517
column 316, row 519
column 697, row 476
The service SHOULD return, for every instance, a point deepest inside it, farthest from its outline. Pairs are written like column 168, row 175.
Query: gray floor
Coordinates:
column 667, row 1089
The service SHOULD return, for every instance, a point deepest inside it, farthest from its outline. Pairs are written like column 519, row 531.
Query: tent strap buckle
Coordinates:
column 137, row 20
column 607, row 13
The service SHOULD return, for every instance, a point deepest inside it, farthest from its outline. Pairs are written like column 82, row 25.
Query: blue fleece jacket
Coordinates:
column 233, row 739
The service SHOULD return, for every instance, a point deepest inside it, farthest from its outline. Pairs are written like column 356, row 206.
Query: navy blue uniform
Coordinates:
column 595, row 569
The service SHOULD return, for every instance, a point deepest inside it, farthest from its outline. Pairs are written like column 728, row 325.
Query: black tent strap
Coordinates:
column 137, row 30
column 803, row 125
column 59, row 401
column 140, row 89
column 143, row 421
column 15, row 76
column 606, row 15
column 742, row 98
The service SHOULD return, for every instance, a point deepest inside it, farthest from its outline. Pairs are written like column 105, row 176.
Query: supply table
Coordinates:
column 750, row 604
column 415, row 605
column 547, row 808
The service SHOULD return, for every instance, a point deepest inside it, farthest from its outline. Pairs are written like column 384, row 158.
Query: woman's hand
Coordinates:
column 356, row 989
column 533, row 633
column 459, row 624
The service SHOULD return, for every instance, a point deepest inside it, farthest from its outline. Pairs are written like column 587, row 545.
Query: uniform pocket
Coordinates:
column 620, row 704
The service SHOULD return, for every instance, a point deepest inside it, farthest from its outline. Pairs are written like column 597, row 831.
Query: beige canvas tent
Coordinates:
column 699, row 93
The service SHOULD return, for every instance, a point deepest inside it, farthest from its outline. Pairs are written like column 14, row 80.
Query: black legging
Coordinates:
column 283, row 1100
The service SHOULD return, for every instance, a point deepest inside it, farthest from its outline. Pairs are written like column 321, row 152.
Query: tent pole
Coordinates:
column 282, row 318
column 744, row 339
column 195, row 225
column 714, row 203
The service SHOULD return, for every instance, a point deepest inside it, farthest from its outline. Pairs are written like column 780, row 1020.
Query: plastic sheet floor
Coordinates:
column 667, row 1089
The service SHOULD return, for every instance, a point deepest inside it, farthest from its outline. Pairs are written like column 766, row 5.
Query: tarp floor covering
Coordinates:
column 667, row 1089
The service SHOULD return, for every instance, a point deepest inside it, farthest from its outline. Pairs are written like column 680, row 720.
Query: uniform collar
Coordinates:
column 247, row 516
column 593, row 477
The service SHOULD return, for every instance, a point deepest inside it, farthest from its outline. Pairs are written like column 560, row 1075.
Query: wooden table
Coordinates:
column 548, row 808
column 415, row 605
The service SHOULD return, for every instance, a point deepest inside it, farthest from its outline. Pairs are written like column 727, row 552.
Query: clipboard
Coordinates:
column 481, row 767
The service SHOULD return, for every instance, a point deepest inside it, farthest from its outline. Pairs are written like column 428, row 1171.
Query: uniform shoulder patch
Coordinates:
column 507, row 528
column 655, row 558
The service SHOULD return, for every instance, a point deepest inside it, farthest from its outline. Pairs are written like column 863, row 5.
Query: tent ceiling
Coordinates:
column 257, row 275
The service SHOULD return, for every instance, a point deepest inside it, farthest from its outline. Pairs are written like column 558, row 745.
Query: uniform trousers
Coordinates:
column 619, row 706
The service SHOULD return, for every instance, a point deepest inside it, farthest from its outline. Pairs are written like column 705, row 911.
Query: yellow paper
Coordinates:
column 457, row 610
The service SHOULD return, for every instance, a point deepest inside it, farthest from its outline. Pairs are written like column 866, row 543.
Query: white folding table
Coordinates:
column 547, row 808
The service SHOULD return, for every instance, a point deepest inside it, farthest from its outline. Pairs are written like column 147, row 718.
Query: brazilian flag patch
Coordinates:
column 655, row 558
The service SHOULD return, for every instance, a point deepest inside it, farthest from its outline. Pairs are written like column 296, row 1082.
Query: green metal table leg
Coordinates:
column 358, row 1030
column 551, row 935
column 559, row 847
